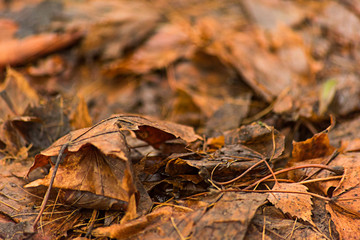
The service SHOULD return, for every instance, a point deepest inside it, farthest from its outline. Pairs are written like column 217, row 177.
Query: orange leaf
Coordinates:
column 296, row 204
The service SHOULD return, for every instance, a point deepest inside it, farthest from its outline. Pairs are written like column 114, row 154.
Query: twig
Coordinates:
column 294, row 168
column 92, row 222
column 264, row 228
column 320, row 179
column 176, row 228
column 9, row 206
column 293, row 229
column 327, row 160
column 175, row 206
column 47, row 194
column 281, row 191
column 240, row 176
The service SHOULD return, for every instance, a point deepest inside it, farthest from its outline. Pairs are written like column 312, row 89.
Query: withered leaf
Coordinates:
column 258, row 138
column 104, row 135
column 350, row 180
column 154, row 131
column 97, row 157
column 123, row 231
column 315, row 147
column 346, row 223
column 346, row 194
column 164, row 47
column 225, row 164
column 16, row 95
column 229, row 217
column 296, row 204
column 89, row 170
column 18, row 51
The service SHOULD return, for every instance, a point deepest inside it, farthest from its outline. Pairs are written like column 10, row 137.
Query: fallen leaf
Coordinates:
column 222, row 165
column 16, row 95
column 112, row 31
column 168, row 44
column 81, row 117
column 19, row 51
column 229, row 217
column 259, row 138
column 124, row 231
column 90, row 170
column 346, row 224
column 333, row 15
column 154, row 131
column 296, row 204
column 270, row 14
column 95, row 159
column 314, row 147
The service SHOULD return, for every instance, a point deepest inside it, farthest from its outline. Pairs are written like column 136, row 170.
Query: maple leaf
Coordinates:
column 296, row 204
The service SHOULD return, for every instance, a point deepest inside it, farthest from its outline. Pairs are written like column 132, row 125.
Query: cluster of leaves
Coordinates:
column 66, row 65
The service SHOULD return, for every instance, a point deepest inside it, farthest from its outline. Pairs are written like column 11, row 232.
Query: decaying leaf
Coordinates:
column 124, row 231
column 296, row 204
column 315, row 147
column 155, row 132
column 258, row 137
column 97, row 157
column 347, row 224
column 164, row 47
column 16, row 95
column 89, row 170
column 229, row 217
column 225, row 164
column 347, row 192
column 18, row 51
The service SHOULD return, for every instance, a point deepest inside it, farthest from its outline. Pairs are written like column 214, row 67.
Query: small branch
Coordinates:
column 280, row 191
column 47, row 194
column 337, row 171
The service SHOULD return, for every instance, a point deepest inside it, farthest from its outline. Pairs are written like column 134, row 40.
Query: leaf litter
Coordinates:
column 254, row 161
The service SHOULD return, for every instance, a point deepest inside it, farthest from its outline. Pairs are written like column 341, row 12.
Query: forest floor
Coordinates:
column 180, row 119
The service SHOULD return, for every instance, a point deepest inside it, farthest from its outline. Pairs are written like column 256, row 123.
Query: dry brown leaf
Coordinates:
column 259, row 138
column 124, row 231
column 346, row 224
column 154, row 131
column 332, row 18
column 222, row 165
column 18, row 51
column 111, row 32
column 296, row 204
column 96, row 158
column 229, row 217
column 346, row 195
column 81, row 117
column 167, row 45
column 89, row 170
column 315, row 147
column 19, row 94
column 262, row 70
column 350, row 180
